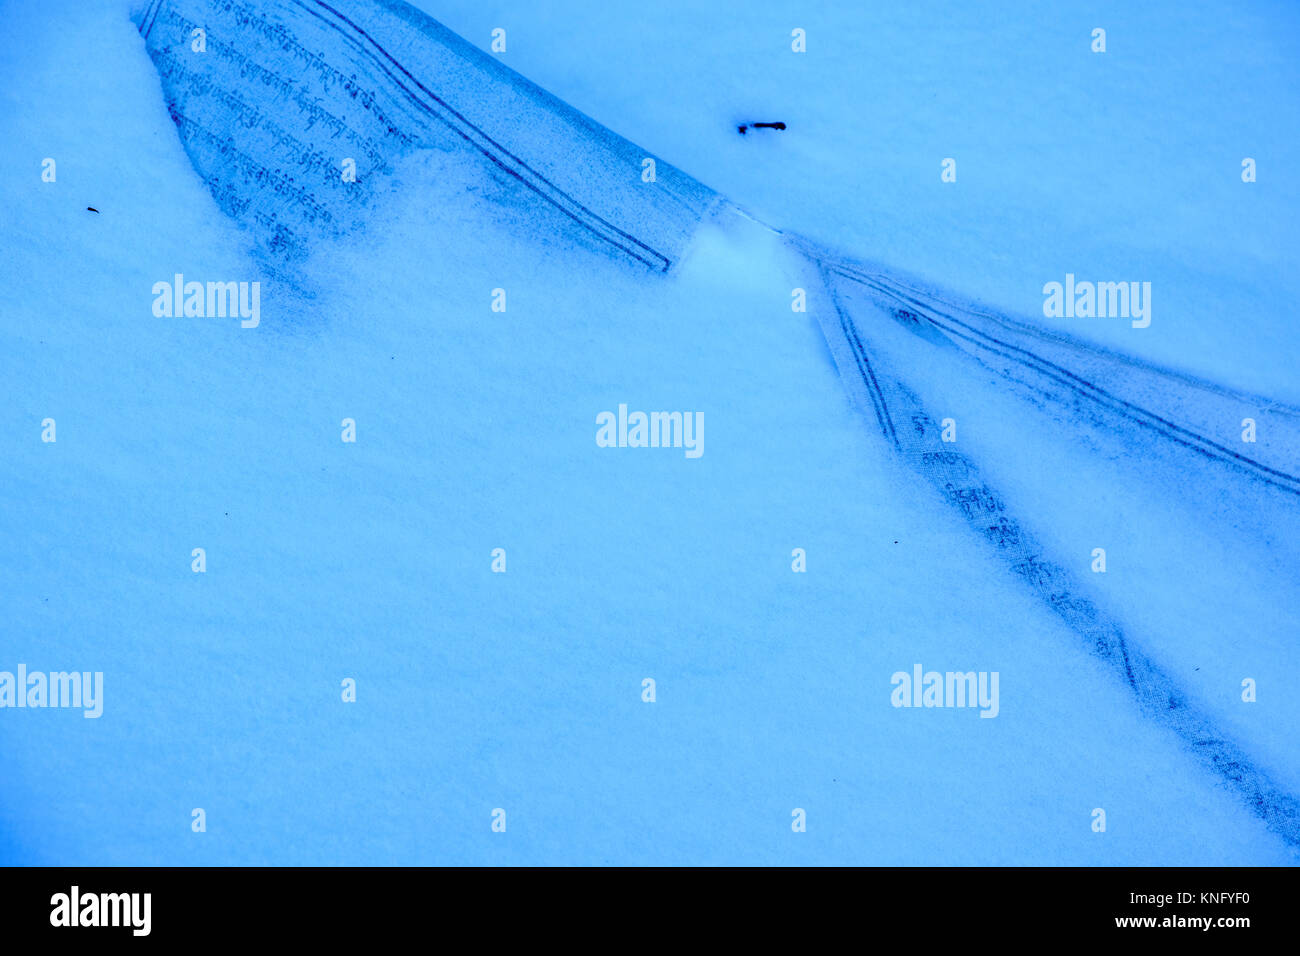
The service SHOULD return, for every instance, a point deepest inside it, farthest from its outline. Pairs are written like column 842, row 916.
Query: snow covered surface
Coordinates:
column 478, row 690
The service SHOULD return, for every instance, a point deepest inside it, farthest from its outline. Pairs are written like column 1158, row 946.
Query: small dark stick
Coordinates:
column 92, row 209
column 743, row 127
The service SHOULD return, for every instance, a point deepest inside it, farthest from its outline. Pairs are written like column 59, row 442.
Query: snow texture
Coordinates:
column 475, row 431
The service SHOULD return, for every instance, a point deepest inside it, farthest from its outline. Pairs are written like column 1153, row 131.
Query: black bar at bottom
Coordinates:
column 334, row 906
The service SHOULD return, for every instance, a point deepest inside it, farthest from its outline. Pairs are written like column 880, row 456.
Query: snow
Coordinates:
column 476, row 431
column 1122, row 165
